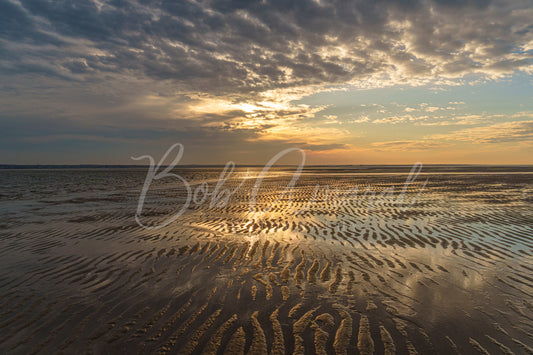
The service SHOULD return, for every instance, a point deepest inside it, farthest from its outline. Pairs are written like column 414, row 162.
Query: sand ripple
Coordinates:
column 451, row 274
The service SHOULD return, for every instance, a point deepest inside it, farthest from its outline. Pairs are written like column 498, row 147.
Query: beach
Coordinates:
column 348, row 260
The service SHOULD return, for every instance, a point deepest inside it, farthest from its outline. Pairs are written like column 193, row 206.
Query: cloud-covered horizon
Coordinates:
column 213, row 71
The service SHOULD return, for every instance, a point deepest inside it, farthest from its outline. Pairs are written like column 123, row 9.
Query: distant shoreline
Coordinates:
column 459, row 168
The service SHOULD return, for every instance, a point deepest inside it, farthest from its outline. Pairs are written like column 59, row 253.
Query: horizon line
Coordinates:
column 103, row 166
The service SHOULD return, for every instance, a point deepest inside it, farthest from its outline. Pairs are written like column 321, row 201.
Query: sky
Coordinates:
column 349, row 82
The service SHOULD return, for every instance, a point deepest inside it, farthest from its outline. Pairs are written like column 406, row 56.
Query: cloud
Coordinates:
column 223, row 47
column 399, row 119
column 450, row 118
column 514, row 131
column 408, row 145
column 361, row 119
column 211, row 67
column 317, row 148
column 470, row 119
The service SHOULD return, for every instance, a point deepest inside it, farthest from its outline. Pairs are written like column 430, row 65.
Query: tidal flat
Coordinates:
column 349, row 260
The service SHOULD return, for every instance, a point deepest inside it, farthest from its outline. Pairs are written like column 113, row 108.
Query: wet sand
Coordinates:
column 452, row 273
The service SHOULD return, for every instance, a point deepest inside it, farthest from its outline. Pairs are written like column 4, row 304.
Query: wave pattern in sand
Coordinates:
column 453, row 273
